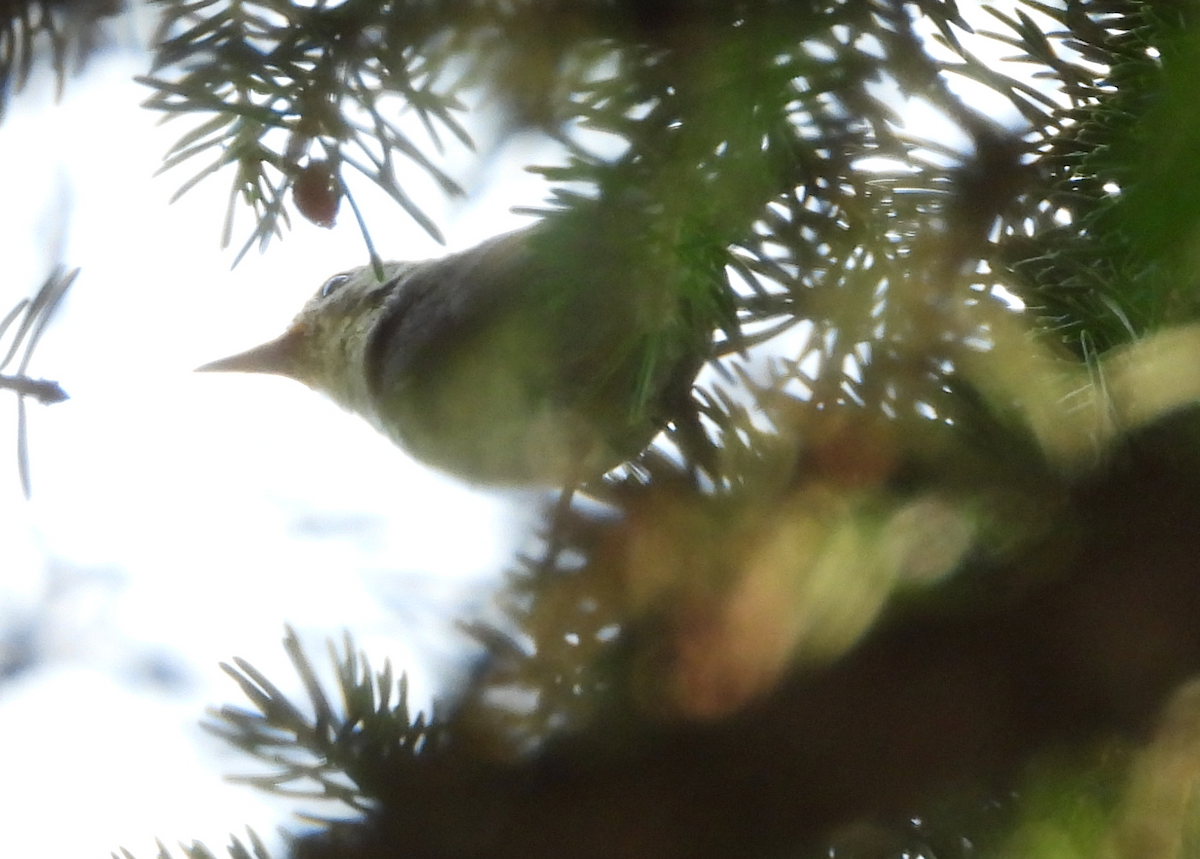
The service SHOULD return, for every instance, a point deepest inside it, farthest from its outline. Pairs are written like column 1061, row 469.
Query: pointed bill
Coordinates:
column 277, row 356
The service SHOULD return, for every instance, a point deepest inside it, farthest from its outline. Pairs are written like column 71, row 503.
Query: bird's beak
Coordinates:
column 277, row 356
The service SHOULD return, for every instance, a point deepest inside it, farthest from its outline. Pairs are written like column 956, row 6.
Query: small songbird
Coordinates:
column 535, row 358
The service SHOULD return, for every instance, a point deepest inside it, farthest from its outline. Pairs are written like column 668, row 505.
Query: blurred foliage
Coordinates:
column 70, row 28
column 935, row 538
column 1012, row 720
column 1109, row 252
column 253, row 849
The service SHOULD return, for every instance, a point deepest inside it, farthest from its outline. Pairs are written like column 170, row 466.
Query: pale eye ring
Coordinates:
column 333, row 285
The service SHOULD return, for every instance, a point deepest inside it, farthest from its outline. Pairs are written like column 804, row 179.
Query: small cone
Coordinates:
column 277, row 356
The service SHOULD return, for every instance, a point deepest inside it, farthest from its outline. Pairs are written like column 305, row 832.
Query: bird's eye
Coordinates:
column 333, row 284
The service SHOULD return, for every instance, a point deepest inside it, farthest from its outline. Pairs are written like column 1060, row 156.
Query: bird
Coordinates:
column 540, row 357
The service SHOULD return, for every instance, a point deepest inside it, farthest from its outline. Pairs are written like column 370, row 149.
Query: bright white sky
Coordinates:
column 181, row 519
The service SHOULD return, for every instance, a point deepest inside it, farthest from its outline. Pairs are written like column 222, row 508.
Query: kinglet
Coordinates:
column 534, row 358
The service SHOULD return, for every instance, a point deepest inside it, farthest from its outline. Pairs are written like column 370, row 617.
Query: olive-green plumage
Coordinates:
column 529, row 359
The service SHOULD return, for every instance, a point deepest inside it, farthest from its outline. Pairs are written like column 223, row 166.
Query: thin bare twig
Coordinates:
column 34, row 314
